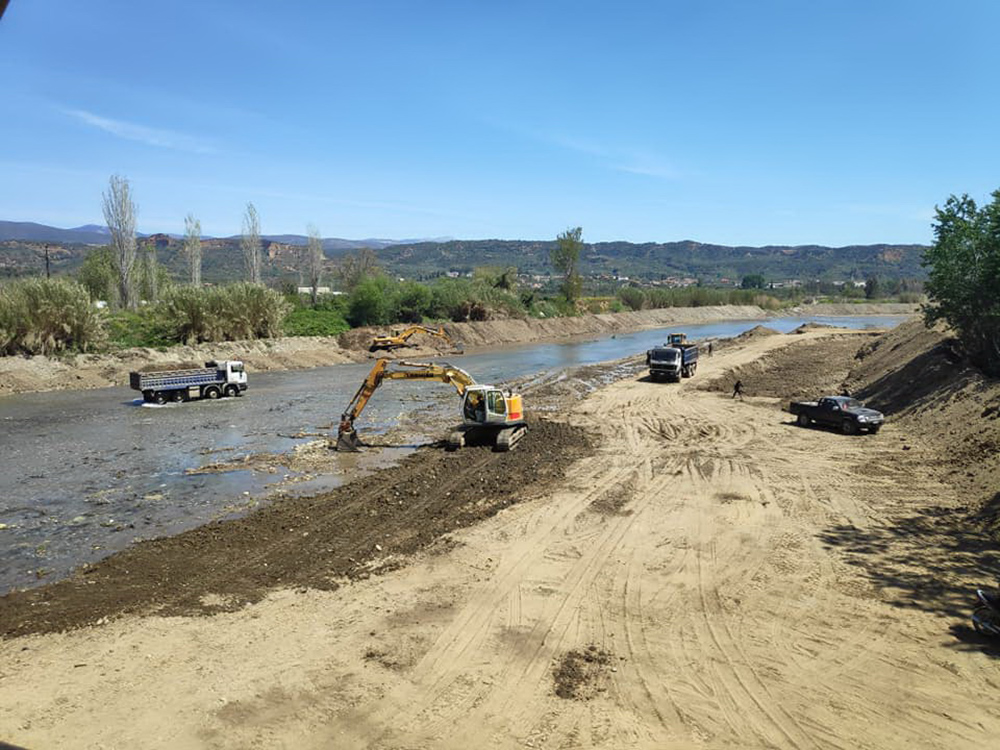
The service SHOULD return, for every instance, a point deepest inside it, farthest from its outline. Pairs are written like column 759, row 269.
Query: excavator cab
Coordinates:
column 487, row 405
column 489, row 415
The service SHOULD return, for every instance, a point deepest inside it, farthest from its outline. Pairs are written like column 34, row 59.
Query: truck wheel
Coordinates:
column 874, row 428
column 147, row 396
column 159, row 397
column 848, row 427
column 211, row 392
column 177, row 397
column 804, row 420
column 232, row 391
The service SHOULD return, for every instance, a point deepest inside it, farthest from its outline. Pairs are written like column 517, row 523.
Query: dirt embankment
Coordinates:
column 835, row 309
column 914, row 375
column 25, row 375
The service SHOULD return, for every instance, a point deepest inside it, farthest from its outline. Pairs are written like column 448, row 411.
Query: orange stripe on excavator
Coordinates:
column 514, row 408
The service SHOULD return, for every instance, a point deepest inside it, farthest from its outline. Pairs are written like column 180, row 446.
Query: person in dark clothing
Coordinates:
column 738, row 389
column 709, row 348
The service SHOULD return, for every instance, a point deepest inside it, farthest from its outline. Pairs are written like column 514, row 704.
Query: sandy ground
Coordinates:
column 710, row 576
column 24, row 375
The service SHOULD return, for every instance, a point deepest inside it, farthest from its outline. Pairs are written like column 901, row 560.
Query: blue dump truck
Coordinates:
column 214, row 380
column 674, row 360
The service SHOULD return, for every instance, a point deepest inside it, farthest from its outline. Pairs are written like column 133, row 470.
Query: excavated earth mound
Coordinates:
column 918, row 377
column 803, row 370
column 361, row 528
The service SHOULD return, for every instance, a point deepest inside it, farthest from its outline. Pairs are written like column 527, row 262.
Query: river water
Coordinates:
column 86, row 473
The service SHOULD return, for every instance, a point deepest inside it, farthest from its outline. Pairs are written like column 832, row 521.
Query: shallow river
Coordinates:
column 85, row 473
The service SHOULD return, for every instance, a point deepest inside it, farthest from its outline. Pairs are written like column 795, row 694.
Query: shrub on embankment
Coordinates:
column 227, row 313
column 45, row 316
column 654, row 299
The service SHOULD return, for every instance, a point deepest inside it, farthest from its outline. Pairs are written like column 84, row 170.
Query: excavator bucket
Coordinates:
column 348, row 442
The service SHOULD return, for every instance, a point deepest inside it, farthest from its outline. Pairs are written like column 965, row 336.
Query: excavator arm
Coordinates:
column 383, row 370
column 400, row 339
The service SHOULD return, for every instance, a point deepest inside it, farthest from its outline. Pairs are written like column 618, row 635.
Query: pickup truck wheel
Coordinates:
column 874, row 428
column 211, row 392
column 848, row 427
column 232, row 391
column 804, row 420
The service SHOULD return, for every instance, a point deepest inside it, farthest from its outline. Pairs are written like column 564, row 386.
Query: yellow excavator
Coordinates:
column 489, row 414
column 399, row 339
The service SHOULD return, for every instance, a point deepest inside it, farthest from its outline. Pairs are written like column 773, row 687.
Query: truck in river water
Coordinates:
column 214, row 380
column 674, row 360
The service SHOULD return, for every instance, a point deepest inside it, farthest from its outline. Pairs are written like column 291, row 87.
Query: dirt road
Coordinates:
column 703, row 580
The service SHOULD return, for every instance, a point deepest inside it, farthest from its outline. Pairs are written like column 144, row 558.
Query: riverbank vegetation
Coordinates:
column 964, row 280
column 126, row 299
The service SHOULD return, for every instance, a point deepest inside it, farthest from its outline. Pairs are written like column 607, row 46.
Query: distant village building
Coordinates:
column 319, row 290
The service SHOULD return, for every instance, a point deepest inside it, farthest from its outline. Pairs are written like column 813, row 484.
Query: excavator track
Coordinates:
column 508, row 437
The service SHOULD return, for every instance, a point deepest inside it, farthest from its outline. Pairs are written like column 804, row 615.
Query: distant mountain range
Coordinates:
column 23, row 247
column 96, row 234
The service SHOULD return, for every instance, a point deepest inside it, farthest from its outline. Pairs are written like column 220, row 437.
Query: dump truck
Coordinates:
column 674, row 360
column 214, row 380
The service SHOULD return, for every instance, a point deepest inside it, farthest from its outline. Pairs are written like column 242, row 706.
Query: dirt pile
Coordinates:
column 360, row 528
column 917, row 377
column 803, row 370
column 851, row 308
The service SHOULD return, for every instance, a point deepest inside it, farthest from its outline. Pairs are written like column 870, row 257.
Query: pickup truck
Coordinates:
column 214, row 380
column 848, row 414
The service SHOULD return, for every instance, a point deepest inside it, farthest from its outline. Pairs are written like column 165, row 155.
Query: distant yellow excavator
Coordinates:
column 399, row 339
column 489, row 414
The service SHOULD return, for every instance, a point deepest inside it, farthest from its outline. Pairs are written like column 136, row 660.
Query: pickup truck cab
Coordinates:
column 849, row 415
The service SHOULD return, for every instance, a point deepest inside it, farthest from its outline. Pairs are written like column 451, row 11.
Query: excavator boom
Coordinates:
column 381, row 371
column 488, row 413
column 400, row 339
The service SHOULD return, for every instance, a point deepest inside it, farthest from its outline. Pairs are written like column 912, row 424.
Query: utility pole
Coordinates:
column 48, row 272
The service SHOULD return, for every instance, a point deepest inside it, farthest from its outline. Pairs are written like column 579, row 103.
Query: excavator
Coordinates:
column 399, row 339
column 489, row 414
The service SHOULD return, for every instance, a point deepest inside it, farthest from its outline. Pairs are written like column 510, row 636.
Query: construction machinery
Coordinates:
column 489, row 415
column 399, row 339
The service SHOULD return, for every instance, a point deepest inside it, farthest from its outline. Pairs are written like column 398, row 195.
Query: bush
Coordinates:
column 632, row 297
column 315, row 322
column 411, row 302
column 369, row 303
column 237, row 311
column 43, row 316
column 144, row 327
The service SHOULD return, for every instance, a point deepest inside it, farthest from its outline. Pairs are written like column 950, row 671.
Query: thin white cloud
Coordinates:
column 142, row 134
column 628, row 160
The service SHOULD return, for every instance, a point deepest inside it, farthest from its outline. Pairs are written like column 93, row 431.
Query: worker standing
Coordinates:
column 738, row 389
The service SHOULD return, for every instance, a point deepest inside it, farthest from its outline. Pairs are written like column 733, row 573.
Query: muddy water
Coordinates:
column 86, row 473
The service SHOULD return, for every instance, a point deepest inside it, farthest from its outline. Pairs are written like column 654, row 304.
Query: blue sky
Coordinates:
column 728, row 122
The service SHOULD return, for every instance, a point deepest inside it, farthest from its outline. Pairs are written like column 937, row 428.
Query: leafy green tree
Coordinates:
column 99, row 276
column 873, row 288
column 963, row 283
column 753, row 281
column 411, row 302
column 565, row 257
column 369, row 303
